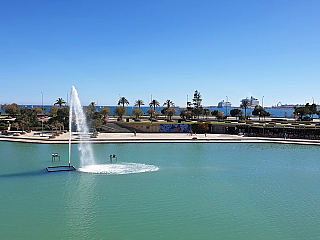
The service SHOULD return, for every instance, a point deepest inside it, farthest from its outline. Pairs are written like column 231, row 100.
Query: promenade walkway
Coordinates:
column 35, row 137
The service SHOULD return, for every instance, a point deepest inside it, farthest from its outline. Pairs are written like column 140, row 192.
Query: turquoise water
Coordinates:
column 201, row 191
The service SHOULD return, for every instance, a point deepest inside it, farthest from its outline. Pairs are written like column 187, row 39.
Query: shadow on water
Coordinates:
column 31, row 173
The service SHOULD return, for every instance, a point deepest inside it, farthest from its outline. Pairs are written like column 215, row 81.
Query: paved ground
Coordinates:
column 36, row 137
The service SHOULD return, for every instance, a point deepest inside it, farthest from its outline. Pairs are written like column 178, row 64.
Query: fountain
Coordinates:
column 76, row 113
column 87, row 161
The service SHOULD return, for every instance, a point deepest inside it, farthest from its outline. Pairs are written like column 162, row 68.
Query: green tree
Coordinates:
column 54, row 110
column 168, row 103
column 96, row 123
column 197, row 107
column 236, row 112
column 123, row 101
column 11, row 109
column 217, row 114
column 170, row 112
column 138, row 103
column 120, row 111
column 245, row 104
column 259, row 111
column 307, row 110
column 105, row 111
column 151, row 112
column 38, row 110
column 137, row 112
column 154, row 103
column 214, row 113
column 61, row 117
column 27, row 117
column 206, row 112
column 203, row 127
column 312, row 108
column 90, row 110
column 60, row 102
column 16, row 126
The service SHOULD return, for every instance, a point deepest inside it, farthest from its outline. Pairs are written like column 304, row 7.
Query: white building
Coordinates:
column 224, row 104
column 252, row 101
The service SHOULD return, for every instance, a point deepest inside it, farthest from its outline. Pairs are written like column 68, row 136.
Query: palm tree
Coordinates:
column 154, row 103
column 138, row 103
column 245, row 104
column 59, row 102
column 91, row 109
column 168, row 103
column 123, row 101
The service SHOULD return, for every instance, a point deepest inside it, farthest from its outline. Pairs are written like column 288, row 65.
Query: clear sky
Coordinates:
column 166, row 48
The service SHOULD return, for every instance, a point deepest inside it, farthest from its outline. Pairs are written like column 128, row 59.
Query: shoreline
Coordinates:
column 152, row 138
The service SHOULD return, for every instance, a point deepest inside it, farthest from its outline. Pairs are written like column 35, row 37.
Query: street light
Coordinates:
column 262, row 102
column 227, row 107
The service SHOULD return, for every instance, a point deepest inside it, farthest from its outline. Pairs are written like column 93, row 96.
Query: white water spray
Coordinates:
column 87, row 162
column 77, row 114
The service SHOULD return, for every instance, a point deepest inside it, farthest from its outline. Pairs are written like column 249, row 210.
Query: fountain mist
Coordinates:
column 77, row 114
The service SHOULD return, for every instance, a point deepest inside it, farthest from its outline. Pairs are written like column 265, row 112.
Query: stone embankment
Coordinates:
column 37, row 137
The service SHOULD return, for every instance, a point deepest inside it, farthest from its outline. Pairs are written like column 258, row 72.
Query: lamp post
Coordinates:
column 227, row 108
column 42, row 116
column 262, row 102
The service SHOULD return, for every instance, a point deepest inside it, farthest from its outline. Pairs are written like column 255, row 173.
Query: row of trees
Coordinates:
column 306, row 112
column 26, row 118
column 169, row 111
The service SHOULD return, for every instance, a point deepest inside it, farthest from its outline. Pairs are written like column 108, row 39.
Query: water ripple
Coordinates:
column 117, row 169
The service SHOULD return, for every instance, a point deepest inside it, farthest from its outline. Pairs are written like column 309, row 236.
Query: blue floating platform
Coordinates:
column 61, row 168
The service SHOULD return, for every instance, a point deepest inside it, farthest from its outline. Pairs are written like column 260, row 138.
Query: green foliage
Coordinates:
column 28, row 117
column 186, row 114
column 105, row 111
column 138, row 103
column 54, row 110
column 38, row 110
column 120, row 111
column 60, row 102
column 151, row 112
column 197, row 107
column 96, row 123
column 90, row 110
column 307, row 110
column 217, row 114
column 259, row 111
column 123, row 101
column 11, row 109
column 61, row 117
column 183, row 114
column 220, row 115
column 245, row 104
column 154, row 103
column 206, row 112
column 203, row 127
column 236, row 112
column 214, row 113
column 168, row 103
column 137, row 112
column 170, row 112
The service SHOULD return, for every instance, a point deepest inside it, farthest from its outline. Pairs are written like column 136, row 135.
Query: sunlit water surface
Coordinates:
column 161, row 191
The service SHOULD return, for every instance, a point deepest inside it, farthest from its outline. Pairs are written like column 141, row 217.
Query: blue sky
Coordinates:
column 165, row 48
